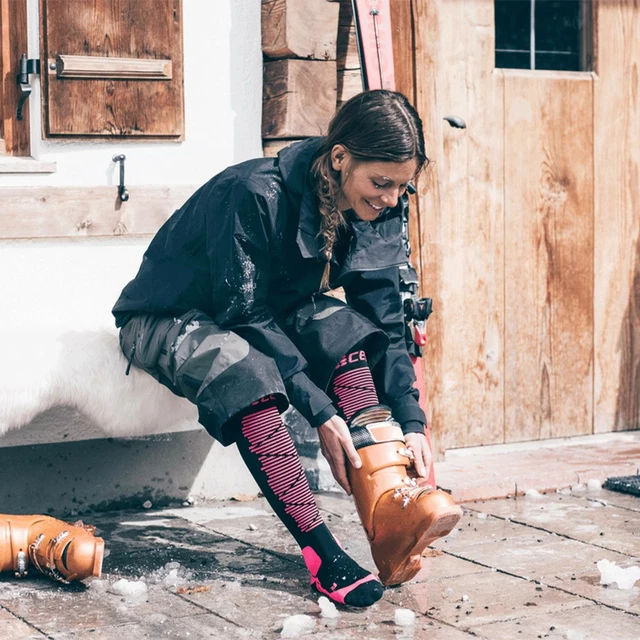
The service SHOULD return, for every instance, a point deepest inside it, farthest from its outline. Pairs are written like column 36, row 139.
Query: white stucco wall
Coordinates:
column 75, row 282
column 57, row 285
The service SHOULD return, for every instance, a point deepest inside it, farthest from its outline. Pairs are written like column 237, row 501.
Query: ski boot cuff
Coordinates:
column 374, row 425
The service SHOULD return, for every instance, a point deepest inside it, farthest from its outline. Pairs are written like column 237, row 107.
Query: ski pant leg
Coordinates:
column 214, row 368
column 325, row 329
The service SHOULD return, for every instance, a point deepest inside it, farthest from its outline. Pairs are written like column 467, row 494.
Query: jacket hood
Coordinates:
column 294, row 163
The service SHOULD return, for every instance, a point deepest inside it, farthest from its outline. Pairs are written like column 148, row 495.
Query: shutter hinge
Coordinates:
column 27, row 67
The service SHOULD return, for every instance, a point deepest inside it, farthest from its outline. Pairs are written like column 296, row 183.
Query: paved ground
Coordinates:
column 514, row 569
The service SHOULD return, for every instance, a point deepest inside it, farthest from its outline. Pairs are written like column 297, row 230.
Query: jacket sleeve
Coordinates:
column 376, row 295
column 239, row 250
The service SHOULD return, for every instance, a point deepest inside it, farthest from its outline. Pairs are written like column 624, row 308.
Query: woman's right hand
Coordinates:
column 337, row 447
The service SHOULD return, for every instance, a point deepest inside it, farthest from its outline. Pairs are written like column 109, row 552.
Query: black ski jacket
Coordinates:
column 245, row 249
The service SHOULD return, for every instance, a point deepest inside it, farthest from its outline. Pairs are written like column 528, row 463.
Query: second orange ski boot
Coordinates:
column 61, row 551
column 399, row 517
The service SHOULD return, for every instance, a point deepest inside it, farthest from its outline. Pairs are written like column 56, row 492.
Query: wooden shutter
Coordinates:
column 112, row 68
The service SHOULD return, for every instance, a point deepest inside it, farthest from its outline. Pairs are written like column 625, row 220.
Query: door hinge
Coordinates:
column 28, row 66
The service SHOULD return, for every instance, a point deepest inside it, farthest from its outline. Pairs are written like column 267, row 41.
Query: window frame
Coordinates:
column 588, row 40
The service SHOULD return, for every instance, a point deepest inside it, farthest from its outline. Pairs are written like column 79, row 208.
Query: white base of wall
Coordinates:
column 96, row 475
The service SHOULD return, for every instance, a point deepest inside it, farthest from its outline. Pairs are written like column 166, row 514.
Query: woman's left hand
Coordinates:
column 422, row 452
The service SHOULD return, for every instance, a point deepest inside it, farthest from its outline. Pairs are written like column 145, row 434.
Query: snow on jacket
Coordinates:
column 245, row 249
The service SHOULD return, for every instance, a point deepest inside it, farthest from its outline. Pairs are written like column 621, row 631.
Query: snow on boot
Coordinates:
column 399, row 517
column 59, row 550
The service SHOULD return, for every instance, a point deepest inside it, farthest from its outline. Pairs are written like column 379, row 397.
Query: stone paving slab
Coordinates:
column 585, row 623
column 587, row 584
column 541, row 558
column 61, row 611
column 594, row 521
column 622, row 500
column 290, row 599
column 160, row 626
column 488, row 597
column 495, row 475
column 12, row 628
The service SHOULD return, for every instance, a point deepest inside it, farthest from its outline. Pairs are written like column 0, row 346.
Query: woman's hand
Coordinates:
column 421, row 451
column 337, row 446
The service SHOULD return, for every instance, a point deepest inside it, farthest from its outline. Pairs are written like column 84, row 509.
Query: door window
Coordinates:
column 544, row 34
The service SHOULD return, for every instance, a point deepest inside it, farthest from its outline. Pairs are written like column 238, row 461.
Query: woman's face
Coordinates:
column 369, row 187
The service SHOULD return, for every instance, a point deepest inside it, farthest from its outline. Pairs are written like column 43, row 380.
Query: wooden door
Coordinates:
column 506, row 235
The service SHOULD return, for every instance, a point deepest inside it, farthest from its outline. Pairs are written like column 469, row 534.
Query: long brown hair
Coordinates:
column 374, row 126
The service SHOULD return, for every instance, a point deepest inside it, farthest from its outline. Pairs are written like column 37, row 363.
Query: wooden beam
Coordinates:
column 13, row 43
column 299, row 98
column 271, row 148
column 52, row 212
column 299, row 29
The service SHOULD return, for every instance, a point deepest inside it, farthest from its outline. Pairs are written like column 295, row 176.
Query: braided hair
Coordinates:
column 374, row 126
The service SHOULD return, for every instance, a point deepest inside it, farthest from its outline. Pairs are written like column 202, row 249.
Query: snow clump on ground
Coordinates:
column 173, row 574
column 404, row 617
column 297, row 625
column 327, row 608
column 130, row 590
column 611, row 573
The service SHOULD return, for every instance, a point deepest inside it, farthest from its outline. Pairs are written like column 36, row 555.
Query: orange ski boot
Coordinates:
column 59, row 550
column 399, row 517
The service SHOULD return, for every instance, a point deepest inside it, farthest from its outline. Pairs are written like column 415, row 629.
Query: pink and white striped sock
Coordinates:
column 352, row 386
column 270, row 455
column 269, row 441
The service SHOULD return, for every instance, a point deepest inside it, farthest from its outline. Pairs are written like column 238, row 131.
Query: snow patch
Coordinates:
column 130, row 590
column 532, row 493
column 611, row 573
column 327, row 608
column 297, row 625
column 173, row 574
column 594, row 485
column 404, row 617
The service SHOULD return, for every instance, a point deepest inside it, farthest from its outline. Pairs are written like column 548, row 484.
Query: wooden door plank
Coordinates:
column 549, row 255
column 428, row 69
column 617, row 218
column 617, row 250
column 462, row 248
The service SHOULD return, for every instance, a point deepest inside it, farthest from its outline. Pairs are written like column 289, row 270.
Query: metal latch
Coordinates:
column 27, row 67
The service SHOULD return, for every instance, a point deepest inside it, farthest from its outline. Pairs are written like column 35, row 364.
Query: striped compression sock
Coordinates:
column 269, row 453
column 352, row 387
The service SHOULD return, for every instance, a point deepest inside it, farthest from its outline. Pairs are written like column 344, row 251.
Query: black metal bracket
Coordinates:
column 122, row 190
column 27, row 67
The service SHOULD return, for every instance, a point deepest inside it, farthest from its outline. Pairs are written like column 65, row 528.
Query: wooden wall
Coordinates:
column 526, row 230
column 311, row 67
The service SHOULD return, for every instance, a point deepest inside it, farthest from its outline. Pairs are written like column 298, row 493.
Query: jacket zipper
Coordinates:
column 133, row 352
